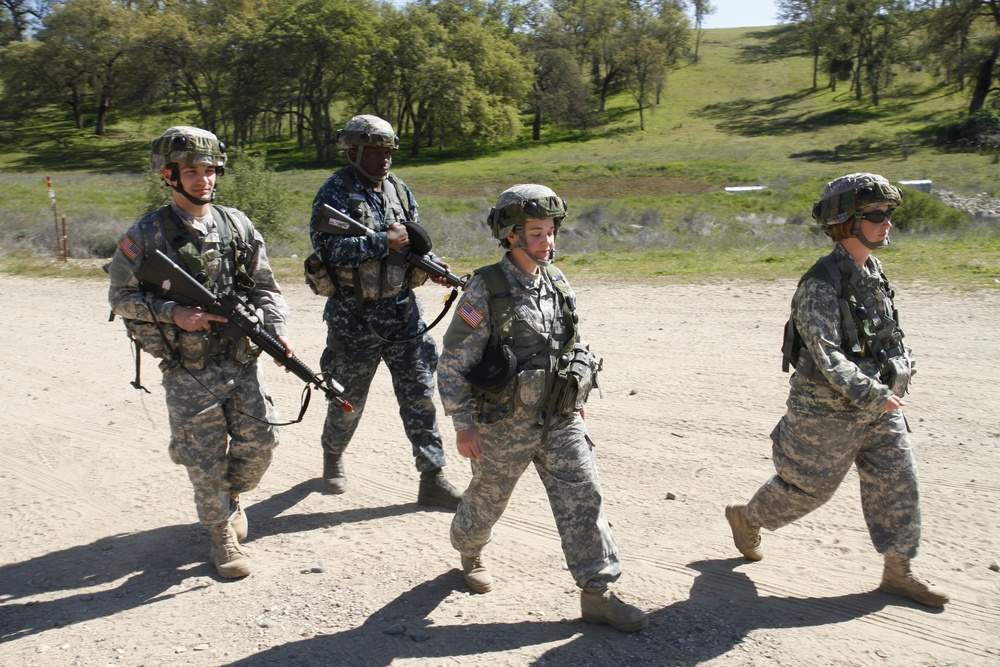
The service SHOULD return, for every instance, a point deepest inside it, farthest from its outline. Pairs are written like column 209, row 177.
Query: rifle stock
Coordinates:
column 339, row 223
column 163, row 272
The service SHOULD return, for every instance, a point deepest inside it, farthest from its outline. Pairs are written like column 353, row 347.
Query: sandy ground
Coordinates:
column 102, row 562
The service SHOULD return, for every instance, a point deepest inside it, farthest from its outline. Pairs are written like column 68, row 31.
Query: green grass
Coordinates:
column 969, row 262
column 740, row 116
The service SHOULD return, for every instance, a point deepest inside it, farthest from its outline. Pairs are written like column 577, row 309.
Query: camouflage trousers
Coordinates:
column 812, row 455
column 224, row 450
column 565, row 464
column 352, row 356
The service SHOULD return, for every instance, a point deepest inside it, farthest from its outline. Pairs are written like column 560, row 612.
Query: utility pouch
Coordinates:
column 531, row 387
column 495, row 369
column 899, row 375
column 317, row 276
column 576, row 375
column 245, row 350
column 159, row 341
column 194, row 348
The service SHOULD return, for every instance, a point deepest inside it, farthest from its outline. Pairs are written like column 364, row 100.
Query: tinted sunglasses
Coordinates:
column 878, row 216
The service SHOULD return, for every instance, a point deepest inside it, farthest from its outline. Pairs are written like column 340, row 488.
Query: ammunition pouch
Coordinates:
column 245, row 351
column 158, row 340
column 576, row 374
column 318, row 277
column 194, row 348
column 897, row 368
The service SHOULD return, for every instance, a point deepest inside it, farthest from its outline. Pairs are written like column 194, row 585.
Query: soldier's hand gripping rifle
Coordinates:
column 416, row 253
column 161, row 271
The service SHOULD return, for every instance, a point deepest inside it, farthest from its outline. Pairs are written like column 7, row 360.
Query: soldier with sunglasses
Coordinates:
column 845, row 406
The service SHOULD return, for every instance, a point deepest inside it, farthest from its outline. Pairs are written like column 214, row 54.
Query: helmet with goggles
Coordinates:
column 521, row 203
column 848, row 195
column 366, row 130
column 187, row 145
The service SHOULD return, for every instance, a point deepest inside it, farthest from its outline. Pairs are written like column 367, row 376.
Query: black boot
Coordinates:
column 437, row 491
column 334, row 479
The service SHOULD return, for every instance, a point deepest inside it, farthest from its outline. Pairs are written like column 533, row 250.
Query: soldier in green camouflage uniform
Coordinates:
column 371, row 313
column 219, row 410
column 845, row 407
column 528, row 416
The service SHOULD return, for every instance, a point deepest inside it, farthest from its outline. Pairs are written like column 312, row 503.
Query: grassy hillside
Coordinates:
column 740, row 116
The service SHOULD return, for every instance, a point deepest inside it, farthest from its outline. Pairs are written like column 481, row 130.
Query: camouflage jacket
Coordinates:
column 849, row 386
column 130, row 302
column 538, row 313
column 346, row 192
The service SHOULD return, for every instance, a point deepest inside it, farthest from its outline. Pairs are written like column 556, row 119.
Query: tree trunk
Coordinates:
column 984, row 81
column 536, row 126
column 104, row 103
column 815, row 67
column 77, row 108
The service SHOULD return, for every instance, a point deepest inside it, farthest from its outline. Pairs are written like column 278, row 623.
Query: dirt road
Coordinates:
column 102, row 562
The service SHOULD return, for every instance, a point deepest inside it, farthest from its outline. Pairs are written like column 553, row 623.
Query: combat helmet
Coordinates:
column 847, row 196
column 363, row 131
column 521, row 203
column 367, row 130
column 183, row 144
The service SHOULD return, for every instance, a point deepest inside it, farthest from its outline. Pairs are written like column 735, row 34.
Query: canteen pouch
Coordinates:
column 317, row 276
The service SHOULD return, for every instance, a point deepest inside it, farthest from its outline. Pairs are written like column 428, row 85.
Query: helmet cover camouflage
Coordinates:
column 521, row 203
column 191, row 145
column 368, row 130
column 847, row 195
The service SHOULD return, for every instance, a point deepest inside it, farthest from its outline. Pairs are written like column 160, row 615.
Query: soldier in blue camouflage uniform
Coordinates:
column 372, row 314
column 845, row 407
column 221, row 417
column 522, row 312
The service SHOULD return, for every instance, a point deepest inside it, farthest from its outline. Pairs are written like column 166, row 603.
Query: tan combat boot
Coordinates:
column 898, row 580
column 334, row 478
column 238, row 519
column 477, row 576
column 746, row 536
column 437, row 491
column 602, row 606
column 227, row 556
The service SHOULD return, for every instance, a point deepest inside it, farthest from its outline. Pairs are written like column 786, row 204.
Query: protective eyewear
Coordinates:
column 878, row 216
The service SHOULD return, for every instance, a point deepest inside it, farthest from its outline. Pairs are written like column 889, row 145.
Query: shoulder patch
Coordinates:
column 128, row 246
column 471, row 316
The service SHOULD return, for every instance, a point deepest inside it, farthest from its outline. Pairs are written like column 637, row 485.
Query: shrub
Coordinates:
column 922, row 212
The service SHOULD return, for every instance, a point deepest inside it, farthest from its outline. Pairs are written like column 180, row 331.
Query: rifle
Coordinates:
column 161, row 271
column 415, row 253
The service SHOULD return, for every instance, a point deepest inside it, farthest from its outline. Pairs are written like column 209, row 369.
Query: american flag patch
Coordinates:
column 129, row 247
column 471, row 316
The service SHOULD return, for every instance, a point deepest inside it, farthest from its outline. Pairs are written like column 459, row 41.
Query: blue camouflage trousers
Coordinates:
column 352, row 357
column 565, row 464
column 224, row 450
column 812, row 455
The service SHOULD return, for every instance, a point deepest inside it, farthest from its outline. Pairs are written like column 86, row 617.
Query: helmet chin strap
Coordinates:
column 177, row 187
column 538, row 262
column 357, row 165
column 860, row 236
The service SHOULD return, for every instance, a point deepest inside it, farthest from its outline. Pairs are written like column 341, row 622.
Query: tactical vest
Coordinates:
column 383, row 278
column 192, row 349
column 869, row 324
column 570, row 368
column 235, row 250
